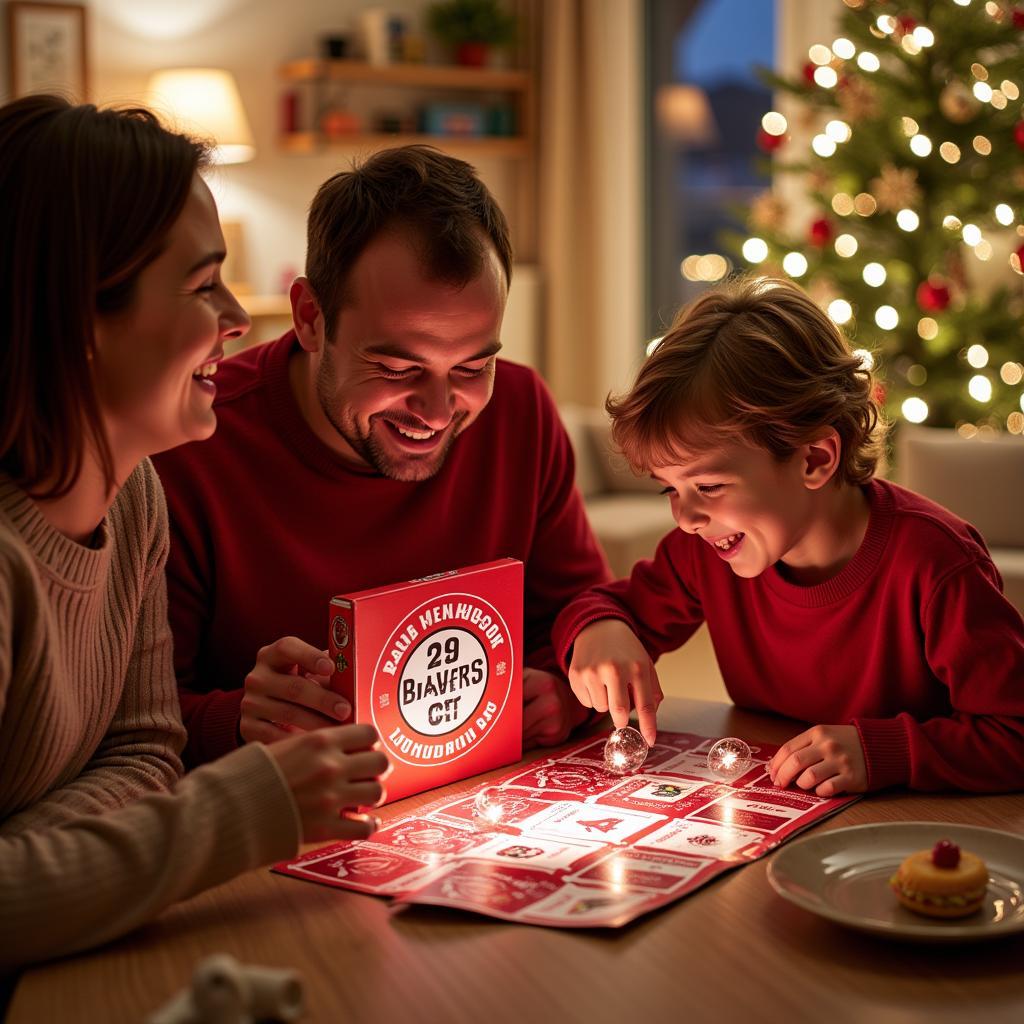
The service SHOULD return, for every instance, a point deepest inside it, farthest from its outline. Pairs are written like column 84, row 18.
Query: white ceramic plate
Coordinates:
column 844, row 875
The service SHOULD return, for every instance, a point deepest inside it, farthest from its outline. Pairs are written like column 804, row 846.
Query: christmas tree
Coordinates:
column 915, row 173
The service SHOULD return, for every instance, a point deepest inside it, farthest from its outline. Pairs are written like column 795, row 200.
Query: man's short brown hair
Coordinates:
column 438, row 200
column 754, row 360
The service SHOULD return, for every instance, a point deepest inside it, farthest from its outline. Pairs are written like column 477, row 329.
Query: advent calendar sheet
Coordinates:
column 579, row 846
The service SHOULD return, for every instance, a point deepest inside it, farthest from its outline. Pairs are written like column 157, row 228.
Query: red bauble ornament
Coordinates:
column 809, row 68
column 768, row 142
column 905, row 23
column 933, row 295
column 1018, row 134
column 820, row 232
column 1018, row 17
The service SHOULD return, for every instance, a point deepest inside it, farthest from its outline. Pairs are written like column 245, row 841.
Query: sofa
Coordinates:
column 627, row 513
column 981, row 480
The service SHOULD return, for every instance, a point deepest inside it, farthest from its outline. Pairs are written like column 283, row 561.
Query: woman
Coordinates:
column 112, row 320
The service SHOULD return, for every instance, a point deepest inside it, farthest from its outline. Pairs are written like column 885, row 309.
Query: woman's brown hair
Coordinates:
column 87, row 197
column 754, row 360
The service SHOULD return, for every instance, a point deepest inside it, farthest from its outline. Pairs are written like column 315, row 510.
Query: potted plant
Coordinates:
column 471, row 28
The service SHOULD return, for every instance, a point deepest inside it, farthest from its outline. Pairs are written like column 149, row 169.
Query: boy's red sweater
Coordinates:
column 912, row 642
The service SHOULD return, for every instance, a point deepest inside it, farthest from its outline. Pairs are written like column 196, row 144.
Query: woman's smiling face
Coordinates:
column 155, row 359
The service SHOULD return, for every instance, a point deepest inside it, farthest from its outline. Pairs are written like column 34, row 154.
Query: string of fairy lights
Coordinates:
column 895, row 191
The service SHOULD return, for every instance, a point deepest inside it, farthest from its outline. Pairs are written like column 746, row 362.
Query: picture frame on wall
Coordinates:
column 47, row 49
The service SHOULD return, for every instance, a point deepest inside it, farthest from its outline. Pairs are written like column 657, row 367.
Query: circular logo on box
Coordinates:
column 339, row 632
column 442, row 679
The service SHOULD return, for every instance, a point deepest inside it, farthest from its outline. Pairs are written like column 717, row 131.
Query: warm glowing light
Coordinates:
column 908, row 220
column 924, row 36
column 910, row 126
column 886, row 23
column 1015, row 423
column 874, row 274
column 843, row 48
column 823, row 145
column 887, row 318
column 998, row 100
column 840, row 311
column 846, row 245
column 981, row 145
column 951, row 223
column 794, row 264
column 920, row 145
column 1009, row 89
column 979, row 387
column 1004, row 214
column 867, row 61
column 911, row 45
column 826, row 77
column 712, row 267
column 838, row 131
column 755, row 250
column 915, row 410
column 971, row 234
column 963, row 3
column 950, row 152
column 774, row 123
column 980, row 72
column 983, row 250
column 977, row 356
column 983, row 91
column 867, row 360
column 819, row 54
column 927, row 328
column 842, row 204
column 1011, row 373
column 865, row 204
column 967, row 430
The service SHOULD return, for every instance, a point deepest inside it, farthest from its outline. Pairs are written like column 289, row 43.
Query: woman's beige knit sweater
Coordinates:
column 97, row 831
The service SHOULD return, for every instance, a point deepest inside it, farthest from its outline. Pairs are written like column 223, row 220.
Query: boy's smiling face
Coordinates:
column 753, row 509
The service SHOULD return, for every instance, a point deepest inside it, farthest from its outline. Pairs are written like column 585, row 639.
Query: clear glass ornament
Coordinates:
column 729, row 757
column 625, row 751
column 493, row 805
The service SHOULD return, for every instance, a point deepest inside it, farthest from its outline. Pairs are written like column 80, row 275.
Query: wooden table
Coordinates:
column 734, row 951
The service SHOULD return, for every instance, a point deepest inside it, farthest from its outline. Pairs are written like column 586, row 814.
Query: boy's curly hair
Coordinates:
column 754, row 360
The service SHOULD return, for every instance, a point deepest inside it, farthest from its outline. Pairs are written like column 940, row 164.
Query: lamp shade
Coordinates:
column 204, row 102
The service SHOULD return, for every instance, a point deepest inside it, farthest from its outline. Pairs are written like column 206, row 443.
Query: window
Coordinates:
column 705, row 105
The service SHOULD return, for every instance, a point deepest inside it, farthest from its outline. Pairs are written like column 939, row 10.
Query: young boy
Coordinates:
column 830, row 596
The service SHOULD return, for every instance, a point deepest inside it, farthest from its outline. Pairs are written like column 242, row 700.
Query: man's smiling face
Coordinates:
column 410, row 364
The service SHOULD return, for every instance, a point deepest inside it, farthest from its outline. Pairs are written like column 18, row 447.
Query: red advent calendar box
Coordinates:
column 435, row 665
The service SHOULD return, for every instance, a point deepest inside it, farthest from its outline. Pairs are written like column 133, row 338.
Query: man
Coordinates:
column 380, row 440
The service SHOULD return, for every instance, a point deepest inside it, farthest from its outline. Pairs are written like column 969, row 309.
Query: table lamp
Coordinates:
column 205, row 102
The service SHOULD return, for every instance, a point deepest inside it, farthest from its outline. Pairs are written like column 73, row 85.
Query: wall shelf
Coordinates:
column 513, row 147
column 356, row 88
column 422, row 76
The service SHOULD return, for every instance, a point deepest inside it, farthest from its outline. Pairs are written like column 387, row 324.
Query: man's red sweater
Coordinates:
column 912, row 642
column 268, row 523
